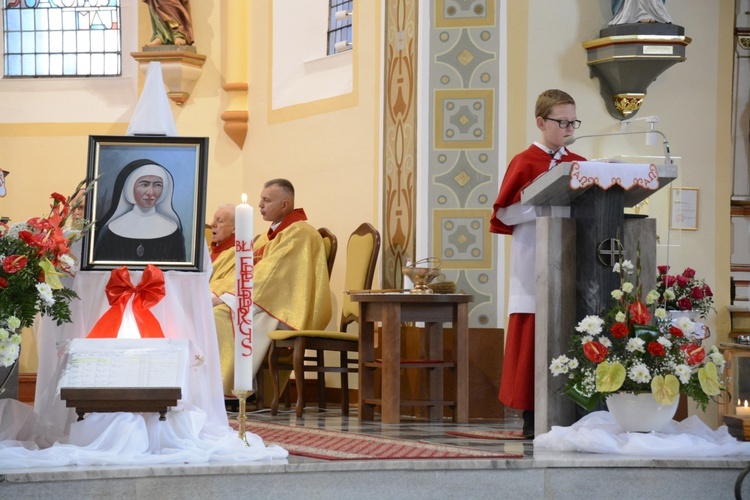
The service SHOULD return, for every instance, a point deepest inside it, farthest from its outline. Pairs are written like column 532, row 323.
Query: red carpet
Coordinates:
column 499, row 435
column 337, row 445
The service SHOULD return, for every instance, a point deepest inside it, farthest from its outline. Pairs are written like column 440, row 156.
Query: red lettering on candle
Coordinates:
column 245, row 303
column 243, row 246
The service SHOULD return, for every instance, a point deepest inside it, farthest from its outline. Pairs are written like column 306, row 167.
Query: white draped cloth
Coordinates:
column 598, row 432
column 196, row 430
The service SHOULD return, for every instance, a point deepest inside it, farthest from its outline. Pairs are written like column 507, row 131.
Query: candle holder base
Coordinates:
column 241, row 418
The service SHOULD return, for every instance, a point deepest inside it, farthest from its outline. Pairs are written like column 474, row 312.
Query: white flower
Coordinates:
column 717, row 358
column 586, row 339
column 591, row 325
column 639, row 373
column 616, row 268
column 628, row 266
column 15, row 339
column 617, row 294
column 559, row 365
column 573, row 363
column 620, row 317
column 660, row 313
column 683, row 373
column 8, row 354
column 627, row 287
column 669, row 294
column 68, row 262
column 665, row 342
column 652, row 297
column 684, row 324
column 4, row 334
column 605, row 342
column 45, row 294
column 635, row 344
column 14, row 323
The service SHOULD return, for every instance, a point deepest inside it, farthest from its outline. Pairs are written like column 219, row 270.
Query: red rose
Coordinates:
column 682, row 281
column 619, row 330
column 684, row 304
column 669, row 281
column 707, row 291
column 694, row 354
column 655, row 349
column 696, row 293
column 663, row 269
column 676, row 332
column 3, row 282
column 689, row 273
column 14, row 263
column 639, row 313
column 595, row 351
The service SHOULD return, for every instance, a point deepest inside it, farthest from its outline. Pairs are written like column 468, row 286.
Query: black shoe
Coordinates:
column 528, row 424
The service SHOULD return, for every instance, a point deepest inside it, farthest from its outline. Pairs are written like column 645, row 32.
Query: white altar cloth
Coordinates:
column 605, row 175
column 598, row 432
column 196, row 430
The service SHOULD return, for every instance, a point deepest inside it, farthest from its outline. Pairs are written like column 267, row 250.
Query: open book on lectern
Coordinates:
column 562, row 184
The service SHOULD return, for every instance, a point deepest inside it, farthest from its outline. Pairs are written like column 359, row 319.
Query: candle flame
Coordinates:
column 244, row 198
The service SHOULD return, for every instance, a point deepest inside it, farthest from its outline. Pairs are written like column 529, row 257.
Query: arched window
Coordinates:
column 53, row 38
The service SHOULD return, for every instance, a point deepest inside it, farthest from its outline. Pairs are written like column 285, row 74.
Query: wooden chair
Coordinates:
column 361, row 256
column 331, row 245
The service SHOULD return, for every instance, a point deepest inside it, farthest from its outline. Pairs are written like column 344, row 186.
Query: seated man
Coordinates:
column 223, row 281
column 290, row 283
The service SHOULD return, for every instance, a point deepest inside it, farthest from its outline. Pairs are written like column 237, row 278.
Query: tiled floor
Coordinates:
column 410, row 428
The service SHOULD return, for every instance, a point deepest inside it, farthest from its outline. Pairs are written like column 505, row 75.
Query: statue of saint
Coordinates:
column 639, row 11
column 171, row 22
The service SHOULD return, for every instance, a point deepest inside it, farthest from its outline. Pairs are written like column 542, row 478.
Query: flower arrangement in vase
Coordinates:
column 34, row 254
column 634, row 348
column 684, row 292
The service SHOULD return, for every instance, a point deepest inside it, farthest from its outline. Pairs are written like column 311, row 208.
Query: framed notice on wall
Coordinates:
column 684, row 209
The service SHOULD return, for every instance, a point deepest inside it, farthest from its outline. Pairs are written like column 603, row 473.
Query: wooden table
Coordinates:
column 393, row 309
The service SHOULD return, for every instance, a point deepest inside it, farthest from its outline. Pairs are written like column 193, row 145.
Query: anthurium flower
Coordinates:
column 694, row 354
column 609, row 377
column 595, row 351
column 14, row 263
column 676, row 332
column 709, row 379
column 51, row 276
column 639, row 313
column 665, row 389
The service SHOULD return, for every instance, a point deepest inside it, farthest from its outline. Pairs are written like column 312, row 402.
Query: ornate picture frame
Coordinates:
column 148, row 204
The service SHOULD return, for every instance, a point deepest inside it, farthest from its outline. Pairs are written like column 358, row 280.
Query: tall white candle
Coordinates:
column 243, row 334
column 743, row 411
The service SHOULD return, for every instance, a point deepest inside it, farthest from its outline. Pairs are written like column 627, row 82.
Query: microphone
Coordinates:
column 667, row 157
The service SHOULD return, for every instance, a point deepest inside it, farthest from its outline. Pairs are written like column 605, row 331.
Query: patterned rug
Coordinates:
column 498, row 435
column 338, row 445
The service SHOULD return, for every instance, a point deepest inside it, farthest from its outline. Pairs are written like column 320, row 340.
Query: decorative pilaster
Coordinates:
column 235, row 40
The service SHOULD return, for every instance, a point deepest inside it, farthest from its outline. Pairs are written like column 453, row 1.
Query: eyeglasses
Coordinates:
column 566, row 123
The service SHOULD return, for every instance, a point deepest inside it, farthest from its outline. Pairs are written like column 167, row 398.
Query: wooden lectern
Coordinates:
column 574, row 259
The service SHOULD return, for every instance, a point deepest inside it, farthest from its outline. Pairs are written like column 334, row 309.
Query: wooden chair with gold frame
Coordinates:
column 361, row 257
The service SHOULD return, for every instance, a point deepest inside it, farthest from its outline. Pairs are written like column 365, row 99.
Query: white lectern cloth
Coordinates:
column 197, row 430
column 599, row 433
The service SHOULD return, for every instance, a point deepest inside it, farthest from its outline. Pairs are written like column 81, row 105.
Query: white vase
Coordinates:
column 640, row 412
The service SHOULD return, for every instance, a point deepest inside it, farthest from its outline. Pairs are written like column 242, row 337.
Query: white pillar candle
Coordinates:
column 243, row 332
column 743, row 411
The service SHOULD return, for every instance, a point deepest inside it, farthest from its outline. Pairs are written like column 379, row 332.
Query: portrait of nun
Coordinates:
column 141, row 223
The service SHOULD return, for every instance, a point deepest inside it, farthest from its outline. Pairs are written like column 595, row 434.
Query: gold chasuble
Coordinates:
column 223, row 281
column 290, row 279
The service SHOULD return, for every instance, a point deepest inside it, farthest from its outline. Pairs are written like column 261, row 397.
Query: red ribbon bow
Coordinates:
column 119, row 289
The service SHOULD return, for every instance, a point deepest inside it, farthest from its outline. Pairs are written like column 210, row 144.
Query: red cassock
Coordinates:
column 517, row 381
